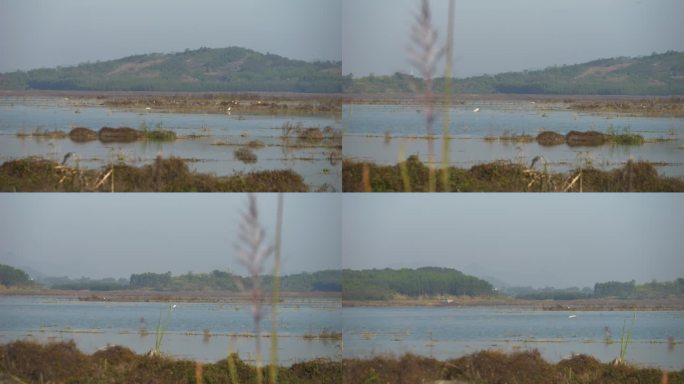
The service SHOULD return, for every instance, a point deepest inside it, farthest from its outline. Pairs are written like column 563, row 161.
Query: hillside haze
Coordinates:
column 204, row 69
column 657, row 74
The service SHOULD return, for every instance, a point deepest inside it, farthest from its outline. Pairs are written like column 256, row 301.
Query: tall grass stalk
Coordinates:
column 404, row 170
column 232, row 357
column 162, row 326
column 424, row 55
column 625, row 339
column 252, row 253
column 448, row 73
column 273, row 369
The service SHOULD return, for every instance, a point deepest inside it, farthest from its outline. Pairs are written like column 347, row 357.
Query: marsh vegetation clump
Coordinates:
column 549, row 138
column 119, row 135
column 509, row 137
column 158, row 133
column 245, row 155
column 82, row 135
column 623, row 136
column 297, row 136
column 310, row 135
column 256, row 144
column 585, row 139
column 326, row 334
column 39, row 133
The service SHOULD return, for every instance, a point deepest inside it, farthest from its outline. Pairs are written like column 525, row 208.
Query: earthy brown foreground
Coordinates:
column 504, row 176
column 23, row 361
column 64, row 363
column 164, row 175
column 497, row 367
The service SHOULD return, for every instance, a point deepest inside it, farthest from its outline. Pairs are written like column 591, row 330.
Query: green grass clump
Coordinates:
column 627, row 139
column 158, row 133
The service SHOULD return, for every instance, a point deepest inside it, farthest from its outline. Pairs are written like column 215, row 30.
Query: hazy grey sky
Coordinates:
column 38, row 33
column 116, row 235
column 531, row 239
column 508, row 35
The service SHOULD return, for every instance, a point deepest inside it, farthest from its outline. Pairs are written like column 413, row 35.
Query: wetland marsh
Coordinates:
column 207, row 140
column 196, row 331
column 508, row 130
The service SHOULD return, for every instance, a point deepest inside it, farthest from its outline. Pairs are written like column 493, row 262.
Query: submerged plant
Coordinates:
column 252, row 253
column 625, row 340
column 162, row 326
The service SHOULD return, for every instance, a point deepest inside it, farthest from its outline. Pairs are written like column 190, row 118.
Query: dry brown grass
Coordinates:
column 505, row 176
column 64, row 363
column 164, row 175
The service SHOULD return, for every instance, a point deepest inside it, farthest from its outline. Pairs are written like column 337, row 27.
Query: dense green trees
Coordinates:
column 13, row 277
column 380, row 284
column 106, row 284
column 630, row 289
column 325, row 281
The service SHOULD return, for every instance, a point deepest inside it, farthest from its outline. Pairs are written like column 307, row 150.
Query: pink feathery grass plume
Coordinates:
column 424, row 54
column 252, row 252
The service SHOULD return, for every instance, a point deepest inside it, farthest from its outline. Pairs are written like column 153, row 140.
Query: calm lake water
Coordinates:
column 366, row 125
column 93, row 325
column 453, row 332
column 440, row 332
column 26, row 114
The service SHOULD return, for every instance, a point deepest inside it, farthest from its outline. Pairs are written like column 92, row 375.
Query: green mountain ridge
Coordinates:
column 206, row 69
column 654, row 75
column 236, row 69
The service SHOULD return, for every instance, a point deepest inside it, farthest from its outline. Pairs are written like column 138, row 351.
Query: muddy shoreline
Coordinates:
column 653, row 106
column 228, row 103
column 602, row 304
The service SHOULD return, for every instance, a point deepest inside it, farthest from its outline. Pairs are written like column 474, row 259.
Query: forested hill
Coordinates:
column 384, row 284
column 204, row 69
column 657, row 74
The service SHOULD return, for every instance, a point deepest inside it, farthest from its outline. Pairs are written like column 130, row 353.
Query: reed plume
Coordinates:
column 252, row 252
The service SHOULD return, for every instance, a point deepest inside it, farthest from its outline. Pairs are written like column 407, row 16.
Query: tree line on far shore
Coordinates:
column 370, row 284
